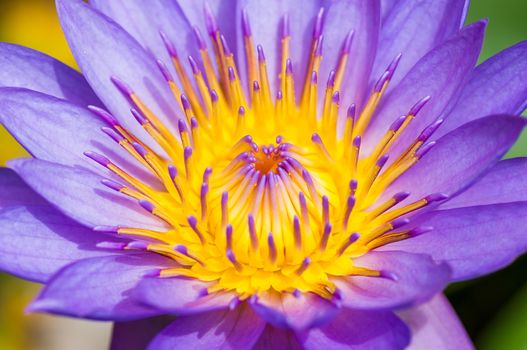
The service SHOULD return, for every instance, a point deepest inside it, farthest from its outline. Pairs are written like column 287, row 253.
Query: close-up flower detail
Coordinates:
column 263, row 174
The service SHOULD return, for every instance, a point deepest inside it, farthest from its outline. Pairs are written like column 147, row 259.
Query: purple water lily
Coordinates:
column 263, row 174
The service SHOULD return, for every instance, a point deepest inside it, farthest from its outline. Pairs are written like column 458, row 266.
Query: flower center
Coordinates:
column 291, row 213
column 268, row 158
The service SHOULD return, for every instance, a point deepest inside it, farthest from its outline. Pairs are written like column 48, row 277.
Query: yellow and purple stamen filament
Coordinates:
column 265, row 192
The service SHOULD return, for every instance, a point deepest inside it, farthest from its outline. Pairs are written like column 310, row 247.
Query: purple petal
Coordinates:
column 386, row 8
column 276, row 338
column 180, row 296
column 80, row 194
column 498, row 85
column 458, row 158
column 504, row 183
column 37, row 241
column 416, row 279
column 26, row 68
column 136, row 335
column 440, row 74
column 104, row 50
column 435, row 325
column 412, row 28
column 15, row 192
column 99, row 288
column 60, row 132
column 229, row 330
column 474, row 241
column 298, row 312
column 353, row 329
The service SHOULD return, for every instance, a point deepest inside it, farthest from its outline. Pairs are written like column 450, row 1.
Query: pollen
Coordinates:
column 265, row 188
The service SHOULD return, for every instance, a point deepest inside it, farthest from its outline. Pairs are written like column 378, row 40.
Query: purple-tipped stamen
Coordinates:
column 246, row 27
column 430, row 130
column 164, row 70
column 400, row 196
column 325, row 236
column 226, row 49
column 137, row 245
column 185, row 102
column 106, row 229
column 146, row 205
column 210, row 20
column 319, row 23
column 193, row 65
column 112, row 185
column 436, row 197
column 122, row 86
column 112, row 133
column 272, row 247
column 284, row 25
column 331, row 80
column 104, row 115
column 111, row 245
column 305, row 264
column 199, row 39
column 419, row 231
column 346, row 47
column 102, row 160
column 396, row 125
column 140, row 149
column 399, row 222
column 388, row 275
column 424, row 149
column 138, row 116
column 320, row 46
column 171, row 49
column 419, row 105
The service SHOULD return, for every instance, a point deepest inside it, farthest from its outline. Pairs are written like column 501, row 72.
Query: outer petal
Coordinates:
column 474, row 241
column 99, row 288
column 37, row 241
column 362, row 330
column 276, row 338
column 79, row 194
column 136, row 335
column 435, row 325
column 298, row 312
column 413, row 278
column 498, row 85
column 440, row 74
column 27, row 68
column 412, row 28
column 504, row 183
column 59, row 131
column 15, row 192
column 459, row 157
column 228, row 330
column 104, row 50
column 180, row 296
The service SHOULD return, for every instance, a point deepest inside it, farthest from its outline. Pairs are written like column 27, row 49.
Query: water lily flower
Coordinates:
column 263, row 174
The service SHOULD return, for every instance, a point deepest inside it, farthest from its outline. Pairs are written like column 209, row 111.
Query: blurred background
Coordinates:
column 493, row 308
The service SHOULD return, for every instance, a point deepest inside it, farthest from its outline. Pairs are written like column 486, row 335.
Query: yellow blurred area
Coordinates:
column 31, row 23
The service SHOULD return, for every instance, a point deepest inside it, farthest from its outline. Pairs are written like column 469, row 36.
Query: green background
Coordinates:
column 493, row 308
